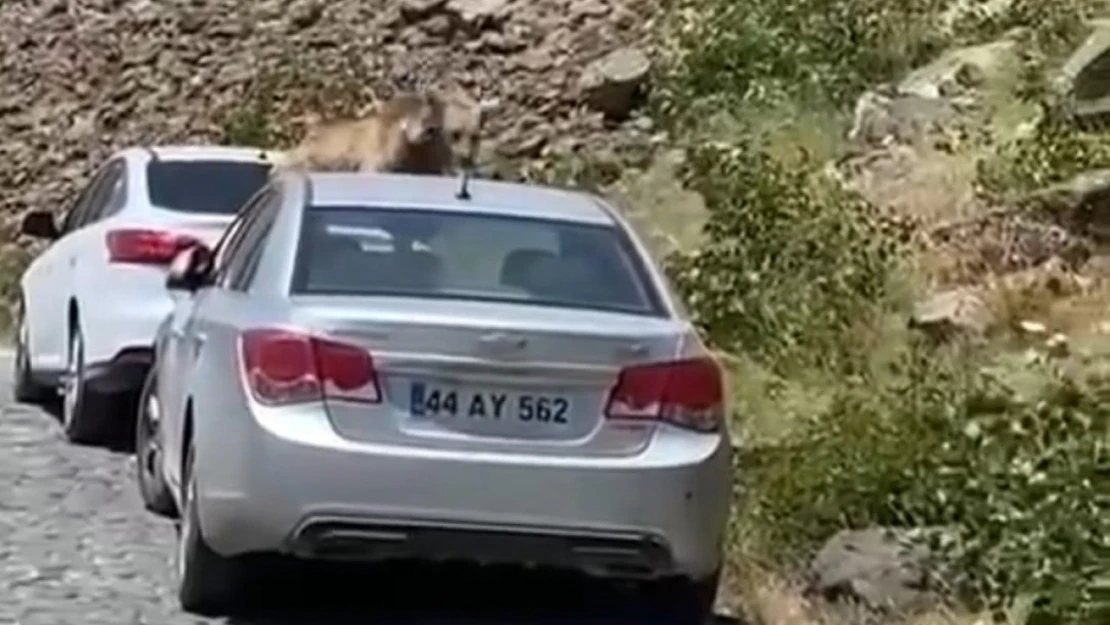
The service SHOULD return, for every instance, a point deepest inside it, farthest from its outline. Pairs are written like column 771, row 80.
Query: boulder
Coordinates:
column 414, row 9
column 1085, row 77
column 478, row 12
column 987, row 65
column 882, row 568
column 590, row 8
column 612, row 83
column 885, row 116
column 956, row 312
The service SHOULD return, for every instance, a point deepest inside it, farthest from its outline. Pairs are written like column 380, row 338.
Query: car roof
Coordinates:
column 203, row 152
column 430, row 192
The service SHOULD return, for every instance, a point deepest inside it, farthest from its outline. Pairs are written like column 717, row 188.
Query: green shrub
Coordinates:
column 1056, row 150
column 1050, row 28
column 729, row 51
column 796, row 272
column 942, row 442
column 252, row 123
column 793, row 263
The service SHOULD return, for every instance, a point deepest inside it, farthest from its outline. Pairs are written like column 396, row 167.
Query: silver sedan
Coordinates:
column 375, row 367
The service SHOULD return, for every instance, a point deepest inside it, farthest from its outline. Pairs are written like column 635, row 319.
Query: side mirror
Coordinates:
column 39, row 224
column 191, row 269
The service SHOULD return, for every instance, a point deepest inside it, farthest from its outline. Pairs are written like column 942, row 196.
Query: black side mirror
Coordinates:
column 191, row 269
column 39, row 224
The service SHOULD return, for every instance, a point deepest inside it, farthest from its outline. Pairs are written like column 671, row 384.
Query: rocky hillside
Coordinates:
column 79, row 78
column 800, row 136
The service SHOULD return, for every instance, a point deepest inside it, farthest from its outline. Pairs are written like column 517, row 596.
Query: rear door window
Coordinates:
column 86, row 204
column 236, row 231
column 243, row 261
column 215, row 187
column 109, row 197
column 451, row 255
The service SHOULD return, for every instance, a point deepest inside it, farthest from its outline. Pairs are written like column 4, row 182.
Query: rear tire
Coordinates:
column 148, row 453
column 26, row 390
column 85, row 414
column 208, row 584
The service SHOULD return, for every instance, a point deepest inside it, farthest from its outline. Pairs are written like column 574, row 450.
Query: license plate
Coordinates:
column 427, row 400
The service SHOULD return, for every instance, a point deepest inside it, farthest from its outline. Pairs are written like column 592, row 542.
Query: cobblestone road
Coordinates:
column 77, row 548
column 74, row 544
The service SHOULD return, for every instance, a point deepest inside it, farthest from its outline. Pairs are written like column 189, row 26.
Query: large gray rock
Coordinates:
column 988, row 65
column 478, row 11
column 420, row 8
column 957, row 312
column 883, row 116
column 1085, row 77
column 612, row 83
column 882, row 568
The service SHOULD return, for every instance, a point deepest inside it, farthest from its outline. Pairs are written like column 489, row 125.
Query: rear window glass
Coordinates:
column 447, row 255
column 212, row 186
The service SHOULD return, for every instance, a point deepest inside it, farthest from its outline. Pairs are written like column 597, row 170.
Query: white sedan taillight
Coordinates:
column 145, row 247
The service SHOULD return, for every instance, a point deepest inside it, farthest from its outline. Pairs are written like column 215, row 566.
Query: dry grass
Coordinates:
column 1059, row 300
column 668, row 217
column 929, row 185
column 767, row 408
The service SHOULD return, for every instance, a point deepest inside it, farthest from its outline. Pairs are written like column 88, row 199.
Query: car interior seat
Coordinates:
column 518, row 266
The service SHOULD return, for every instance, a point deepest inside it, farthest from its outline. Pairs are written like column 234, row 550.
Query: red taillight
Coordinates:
column 687, row 393
column 286, row 367
column 146, row 247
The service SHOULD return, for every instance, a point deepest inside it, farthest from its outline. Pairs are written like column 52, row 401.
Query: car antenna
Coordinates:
column 471, row 156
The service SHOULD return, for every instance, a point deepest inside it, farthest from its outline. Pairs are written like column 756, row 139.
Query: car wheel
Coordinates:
column 207, row 583
column 26, row 389
column 684, row 601
column 148, row 452
column 83, row 414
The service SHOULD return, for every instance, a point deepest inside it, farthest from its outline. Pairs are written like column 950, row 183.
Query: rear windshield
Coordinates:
column 447, row 255
column 211, row 187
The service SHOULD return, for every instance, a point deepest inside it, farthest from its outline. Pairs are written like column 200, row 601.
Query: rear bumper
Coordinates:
column 124, row 373
column 605, row 553
column 294, row 486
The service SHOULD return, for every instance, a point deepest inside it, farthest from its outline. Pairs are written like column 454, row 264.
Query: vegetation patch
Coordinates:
column 850, row 420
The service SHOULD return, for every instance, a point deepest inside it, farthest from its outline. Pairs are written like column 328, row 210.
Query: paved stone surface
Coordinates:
column 75, row 544
column 77, row 548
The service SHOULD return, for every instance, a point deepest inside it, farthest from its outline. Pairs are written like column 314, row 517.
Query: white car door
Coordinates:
column 48, row 283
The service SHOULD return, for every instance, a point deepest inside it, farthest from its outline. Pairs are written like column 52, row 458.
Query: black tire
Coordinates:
column 683, row 601
column 208, row 584
column 85, row 414
column 148, row 454
column 26, row 390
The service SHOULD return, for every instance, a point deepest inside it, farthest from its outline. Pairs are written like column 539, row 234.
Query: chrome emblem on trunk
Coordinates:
column 502, row 342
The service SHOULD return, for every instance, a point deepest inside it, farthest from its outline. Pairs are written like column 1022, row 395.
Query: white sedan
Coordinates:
column 92, row 301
